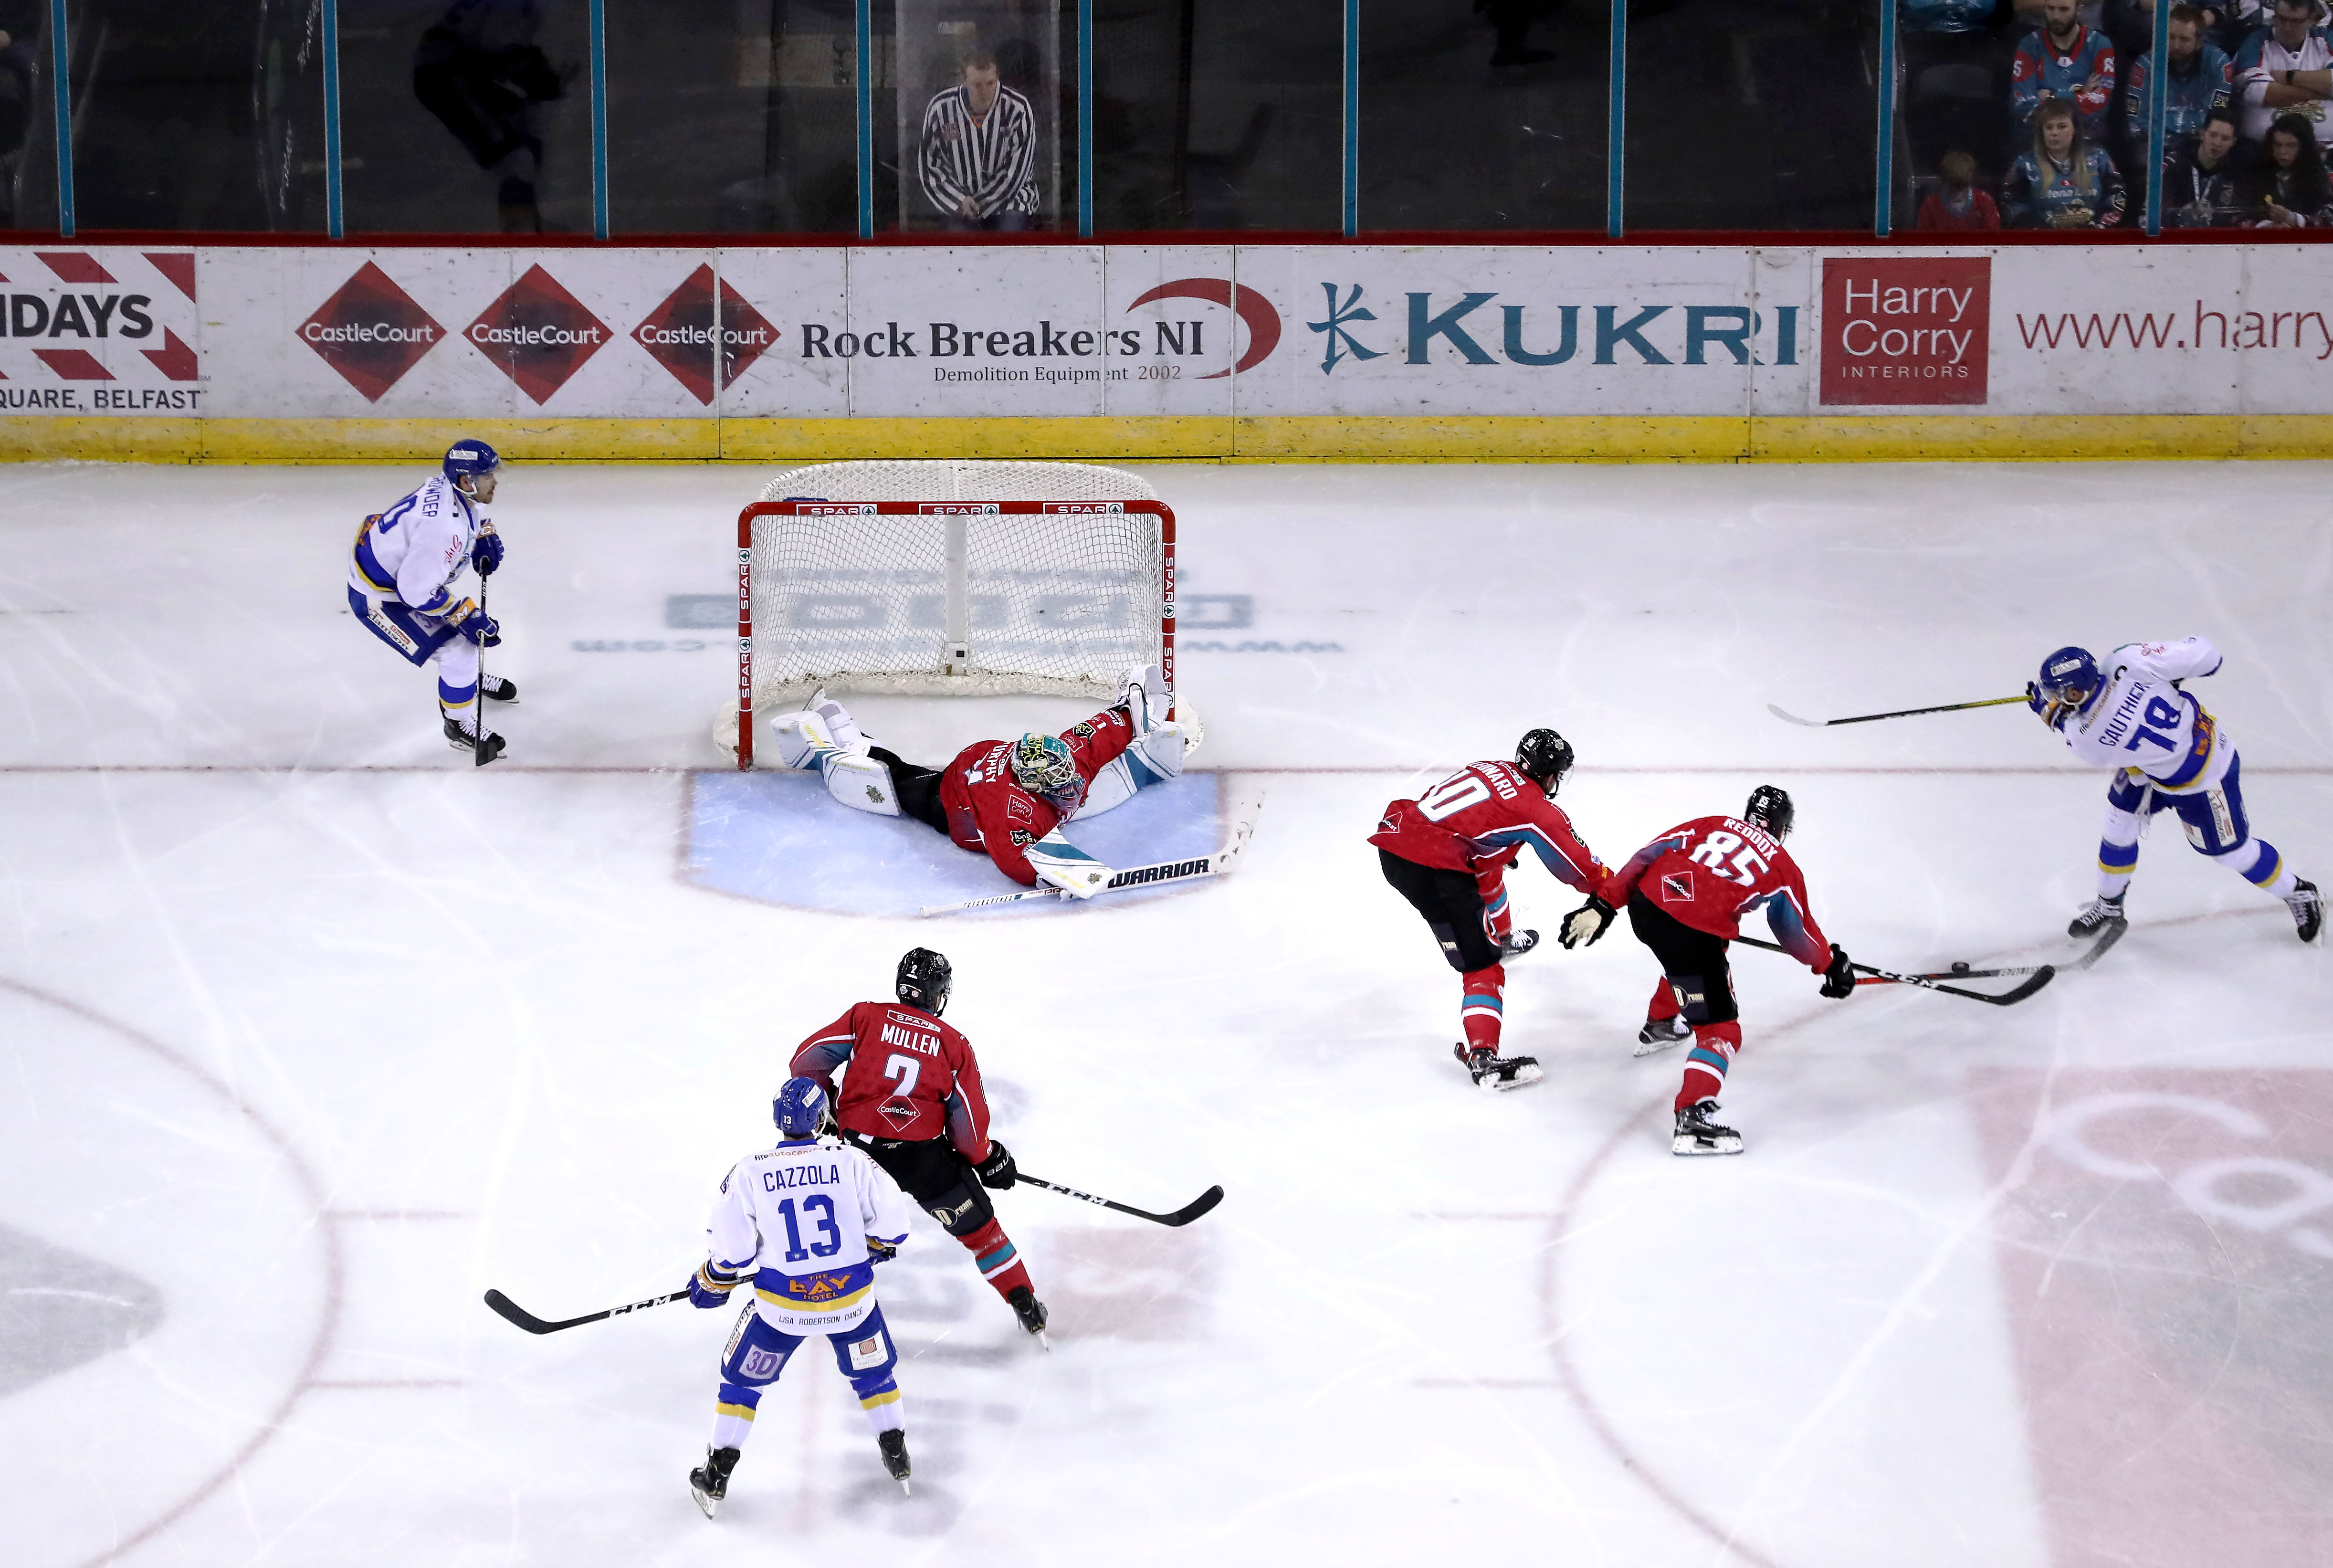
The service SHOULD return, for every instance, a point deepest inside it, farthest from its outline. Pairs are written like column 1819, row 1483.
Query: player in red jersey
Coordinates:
column 1004, row 797
column 1447, row 852
column 1686, row 893
column 922, row 1117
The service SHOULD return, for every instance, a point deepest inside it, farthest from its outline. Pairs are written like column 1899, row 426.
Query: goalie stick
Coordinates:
column 1217, row 864
column 2035, row 982
column 1183, row 1215
column 513, row 1312
column 1899, row 713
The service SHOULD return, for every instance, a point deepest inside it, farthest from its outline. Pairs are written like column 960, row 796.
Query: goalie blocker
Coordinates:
column 1006, row 799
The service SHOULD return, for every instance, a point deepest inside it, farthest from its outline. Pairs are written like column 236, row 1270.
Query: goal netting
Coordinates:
column 948, row 579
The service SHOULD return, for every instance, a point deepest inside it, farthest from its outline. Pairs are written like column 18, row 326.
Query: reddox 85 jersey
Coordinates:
column 1482, row 816
column 1711, row 872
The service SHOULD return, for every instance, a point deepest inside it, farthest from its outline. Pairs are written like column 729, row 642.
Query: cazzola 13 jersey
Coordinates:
column 1711, row 872
column 798, row 1217
column 2140, row 721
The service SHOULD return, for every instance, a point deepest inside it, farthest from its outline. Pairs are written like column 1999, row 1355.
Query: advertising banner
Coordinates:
column 1253, row 331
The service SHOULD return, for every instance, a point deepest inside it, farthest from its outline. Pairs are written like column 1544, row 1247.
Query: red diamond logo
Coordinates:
column 538, row 335
column 680, row 334
column 371, row 331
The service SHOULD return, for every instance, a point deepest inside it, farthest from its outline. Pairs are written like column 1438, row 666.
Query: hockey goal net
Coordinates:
column 948, row 579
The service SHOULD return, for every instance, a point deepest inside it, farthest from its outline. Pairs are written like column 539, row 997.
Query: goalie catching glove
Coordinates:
column 1584, row 925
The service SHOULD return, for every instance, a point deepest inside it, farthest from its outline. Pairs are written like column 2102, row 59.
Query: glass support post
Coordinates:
column 1616, row 129
column 1352, row 162
column 333, row 224
column 1085, row 119
column 61, row 95
column 862, row 76
column 1883, row 205
column 2158, row 99
column 599, row 24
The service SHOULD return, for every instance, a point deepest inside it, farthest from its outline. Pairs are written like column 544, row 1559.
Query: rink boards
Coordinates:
column 1267, row 352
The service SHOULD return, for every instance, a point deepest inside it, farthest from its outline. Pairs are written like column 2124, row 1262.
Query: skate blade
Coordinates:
column 706, row 1503
column 1688, row 1144
column 1646, row 1047
column 904, row 1488
column 1524, row 1078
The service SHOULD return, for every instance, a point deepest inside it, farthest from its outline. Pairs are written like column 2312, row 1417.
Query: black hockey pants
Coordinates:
column 1451, row 903
column 919, row 789
column 929, row 1171
column 1693, row 961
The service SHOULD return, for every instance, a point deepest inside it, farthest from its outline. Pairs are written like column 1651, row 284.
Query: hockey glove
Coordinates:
column 1838, row 980
column 2033, row 696
column 487, row 553
column 701, row 1295
column 481, row 629
column 880, row 1251
column 998, row 1172
column 1584, row 925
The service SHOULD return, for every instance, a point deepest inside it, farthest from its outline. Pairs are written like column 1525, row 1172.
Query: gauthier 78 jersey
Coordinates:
column 911, row 1077
column 413, row 552
column 798, row 1217
column 988, row 810
column 2140, row 720
column 1711, row 872
column 1479, row 818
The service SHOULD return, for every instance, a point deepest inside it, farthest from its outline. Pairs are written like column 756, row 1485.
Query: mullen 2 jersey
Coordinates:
column 1711, row 872
column 988, row 810
column 1479, row 818
column 911, row 1077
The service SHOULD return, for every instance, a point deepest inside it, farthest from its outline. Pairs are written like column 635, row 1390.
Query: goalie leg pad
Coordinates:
column 860, row 782
column 1148, row 759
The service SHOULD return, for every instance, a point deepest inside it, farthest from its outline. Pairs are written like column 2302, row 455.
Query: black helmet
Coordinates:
column 1770, row 808
column 1544, row 758
column 923, row 981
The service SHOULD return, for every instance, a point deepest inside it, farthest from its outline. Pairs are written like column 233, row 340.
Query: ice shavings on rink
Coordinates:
column 780, row 838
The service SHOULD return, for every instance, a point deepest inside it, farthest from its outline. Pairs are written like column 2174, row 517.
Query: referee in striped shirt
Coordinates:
column 979, row 153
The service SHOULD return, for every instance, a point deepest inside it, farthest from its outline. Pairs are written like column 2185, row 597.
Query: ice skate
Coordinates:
column 1494, row 1072
column 2307, row 907
column 709, row 1482
column 2096, row 917
column 464, row 738
column 1697, row 1134
column 894, row 1444
column 1030, row 1311
column 1515, row 943
column 498, row 688
column 1660, row 1033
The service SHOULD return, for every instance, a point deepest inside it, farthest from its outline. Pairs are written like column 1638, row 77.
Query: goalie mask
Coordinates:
column 2069, row 683
column 799, row 1108
column 1042, row 765
column 1770, row 808
column 923, row 980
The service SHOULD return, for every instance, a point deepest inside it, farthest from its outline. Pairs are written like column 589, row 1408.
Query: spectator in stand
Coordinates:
column 2287, row 188
column 2284, row 69
column 1959, row 205
column 2066, row 62
column 2201, row 79
column 2204, row 186
column 978, row 155
column 2062, row 181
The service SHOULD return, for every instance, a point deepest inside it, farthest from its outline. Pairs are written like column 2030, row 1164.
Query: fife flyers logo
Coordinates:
column 1906, row 329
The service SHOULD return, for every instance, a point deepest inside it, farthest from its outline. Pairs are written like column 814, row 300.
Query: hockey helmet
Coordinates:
column 1042, row 765
column 1544, row 756
column 1770, row 808
column 800, row 1109
column 2068, row 682
column 470, row 459
column 923, row 980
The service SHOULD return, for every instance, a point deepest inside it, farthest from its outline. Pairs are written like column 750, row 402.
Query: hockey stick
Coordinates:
column 2107, row 939
column 1183, row 1215
column 513, row 1312
column 2039, row 979
column 1218, row 864
column 1899, row 713
column 478, row 713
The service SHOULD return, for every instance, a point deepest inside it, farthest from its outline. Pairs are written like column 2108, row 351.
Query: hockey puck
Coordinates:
column 1960, row 966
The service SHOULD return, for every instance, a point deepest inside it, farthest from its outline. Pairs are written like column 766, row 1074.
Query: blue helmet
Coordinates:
column 800, row 1109
column 2069, row 683
column 472, row 458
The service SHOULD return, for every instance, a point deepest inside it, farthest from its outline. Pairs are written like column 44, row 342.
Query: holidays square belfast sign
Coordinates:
column 1906, row 329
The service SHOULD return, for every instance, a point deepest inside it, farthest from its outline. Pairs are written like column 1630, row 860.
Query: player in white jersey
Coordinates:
column 401, row 578
column 807, row 1222
column 2173, row 755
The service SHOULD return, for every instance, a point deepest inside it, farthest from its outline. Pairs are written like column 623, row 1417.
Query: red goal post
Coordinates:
column 950, row 598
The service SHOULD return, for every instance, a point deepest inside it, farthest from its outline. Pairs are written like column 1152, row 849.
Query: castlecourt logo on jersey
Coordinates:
column 1450, row 332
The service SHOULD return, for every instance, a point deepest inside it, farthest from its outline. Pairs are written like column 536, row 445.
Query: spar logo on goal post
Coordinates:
column 1906, row 329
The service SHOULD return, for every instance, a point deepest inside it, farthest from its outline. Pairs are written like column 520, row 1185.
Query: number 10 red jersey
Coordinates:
column 1479, row 818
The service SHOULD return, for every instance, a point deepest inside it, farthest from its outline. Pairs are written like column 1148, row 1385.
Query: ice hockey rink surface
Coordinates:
column 311, row 1033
